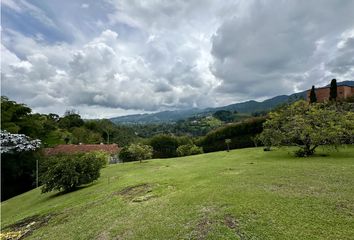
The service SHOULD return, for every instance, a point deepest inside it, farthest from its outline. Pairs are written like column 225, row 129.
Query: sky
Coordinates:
column 110, row 58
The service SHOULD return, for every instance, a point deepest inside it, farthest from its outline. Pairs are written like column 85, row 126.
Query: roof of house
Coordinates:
column 71, row 148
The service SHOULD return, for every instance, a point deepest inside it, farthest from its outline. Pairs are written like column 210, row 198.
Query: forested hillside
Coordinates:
column 249, row 107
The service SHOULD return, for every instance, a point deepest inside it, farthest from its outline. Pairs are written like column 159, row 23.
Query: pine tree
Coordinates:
column 333, row 90
column 313, row 97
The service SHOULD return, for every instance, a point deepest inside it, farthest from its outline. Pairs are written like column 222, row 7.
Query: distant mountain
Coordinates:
column 346, row 83
column 159, row 117
column 244, row 107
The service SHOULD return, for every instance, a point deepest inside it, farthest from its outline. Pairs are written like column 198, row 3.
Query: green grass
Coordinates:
column 241, row 194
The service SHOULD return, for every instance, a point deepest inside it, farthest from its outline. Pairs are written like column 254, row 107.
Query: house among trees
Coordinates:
column 111, row 149
column 323, row 93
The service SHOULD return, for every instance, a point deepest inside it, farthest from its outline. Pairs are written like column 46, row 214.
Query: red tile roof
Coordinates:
column 71, row 148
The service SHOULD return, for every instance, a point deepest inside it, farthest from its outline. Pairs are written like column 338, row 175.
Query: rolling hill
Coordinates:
column 243, row 107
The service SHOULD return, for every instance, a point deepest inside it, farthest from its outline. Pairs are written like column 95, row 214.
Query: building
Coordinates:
column 111, row 149
column 322, row 94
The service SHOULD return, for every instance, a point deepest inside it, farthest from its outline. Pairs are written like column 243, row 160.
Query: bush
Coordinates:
column 188, row 149
column 125, row 155
column 66, row 172
column 241, row 134
column 135, row 152
column 164, row 146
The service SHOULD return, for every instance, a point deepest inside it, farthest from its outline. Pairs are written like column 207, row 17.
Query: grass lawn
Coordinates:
column 241, row 194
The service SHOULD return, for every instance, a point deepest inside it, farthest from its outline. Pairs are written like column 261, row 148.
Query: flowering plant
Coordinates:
column 11, row 143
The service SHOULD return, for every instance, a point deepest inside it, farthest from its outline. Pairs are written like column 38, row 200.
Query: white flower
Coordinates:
column 17, row 142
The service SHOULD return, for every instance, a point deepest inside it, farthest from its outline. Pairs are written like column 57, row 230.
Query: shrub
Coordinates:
column 241, row 134
column 125, row 155
column 14, row 143
column 188, row 149
column 164, row 146
column 66, row 172
column 135, row 152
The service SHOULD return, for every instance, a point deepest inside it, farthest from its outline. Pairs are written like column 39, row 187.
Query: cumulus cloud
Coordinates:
column 278, row 46
column 343, row 62
column 142, row 56
column 103, row 73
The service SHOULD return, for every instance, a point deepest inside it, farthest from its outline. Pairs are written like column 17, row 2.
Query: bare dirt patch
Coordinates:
column 203, row 227
column 233, row 223
column 204, row 224
column 137, row 193
column 346, row 207
column 230, row 171
column 103, row 236
column 210, row 220
column 25, row 227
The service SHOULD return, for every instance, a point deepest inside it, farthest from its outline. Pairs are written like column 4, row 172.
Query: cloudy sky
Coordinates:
column 115, row 57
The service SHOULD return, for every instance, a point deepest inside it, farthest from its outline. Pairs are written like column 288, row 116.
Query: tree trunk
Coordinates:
column 308, row 151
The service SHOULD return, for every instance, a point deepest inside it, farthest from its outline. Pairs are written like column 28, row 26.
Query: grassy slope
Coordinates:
column 247, row 193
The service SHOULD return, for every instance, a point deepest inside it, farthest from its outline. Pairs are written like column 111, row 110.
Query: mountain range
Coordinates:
column 243, row 107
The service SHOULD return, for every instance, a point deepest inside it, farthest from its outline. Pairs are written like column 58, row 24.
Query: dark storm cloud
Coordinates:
column 343, row 63
column 263, row 52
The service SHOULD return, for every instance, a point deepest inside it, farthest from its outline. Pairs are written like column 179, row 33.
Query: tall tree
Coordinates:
column 70, row 120
column 308, row 126
column 13, row 115
column 313, row 97
column 333, row 90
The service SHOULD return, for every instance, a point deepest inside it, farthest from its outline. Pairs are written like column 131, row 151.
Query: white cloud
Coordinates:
column 23, row 6
column 85, row 5
column 141, row 56
column 278, row 47
column 11, row 4
column 104, row 73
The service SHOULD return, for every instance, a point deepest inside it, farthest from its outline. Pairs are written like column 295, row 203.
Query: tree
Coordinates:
column 71, row 119
column 112, row 133
column 333, row 90
column 18, row 163
column 228, row 141
column 164, row 145
column 188, row 149
column 66, row 172
column 308, row 126
column 136, row 152
column 13, row 115
column 224, row 115
column 241, row 135
column 313, row 97
column 83, row 135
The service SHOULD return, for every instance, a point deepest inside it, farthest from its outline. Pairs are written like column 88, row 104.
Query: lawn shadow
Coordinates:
column 321, row 153
column 78, row 188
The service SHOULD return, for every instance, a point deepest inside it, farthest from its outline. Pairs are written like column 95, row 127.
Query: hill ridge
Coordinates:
column 250, row 106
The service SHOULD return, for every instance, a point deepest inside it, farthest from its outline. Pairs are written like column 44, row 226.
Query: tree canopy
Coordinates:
column 224, row 115
column 309, row 126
